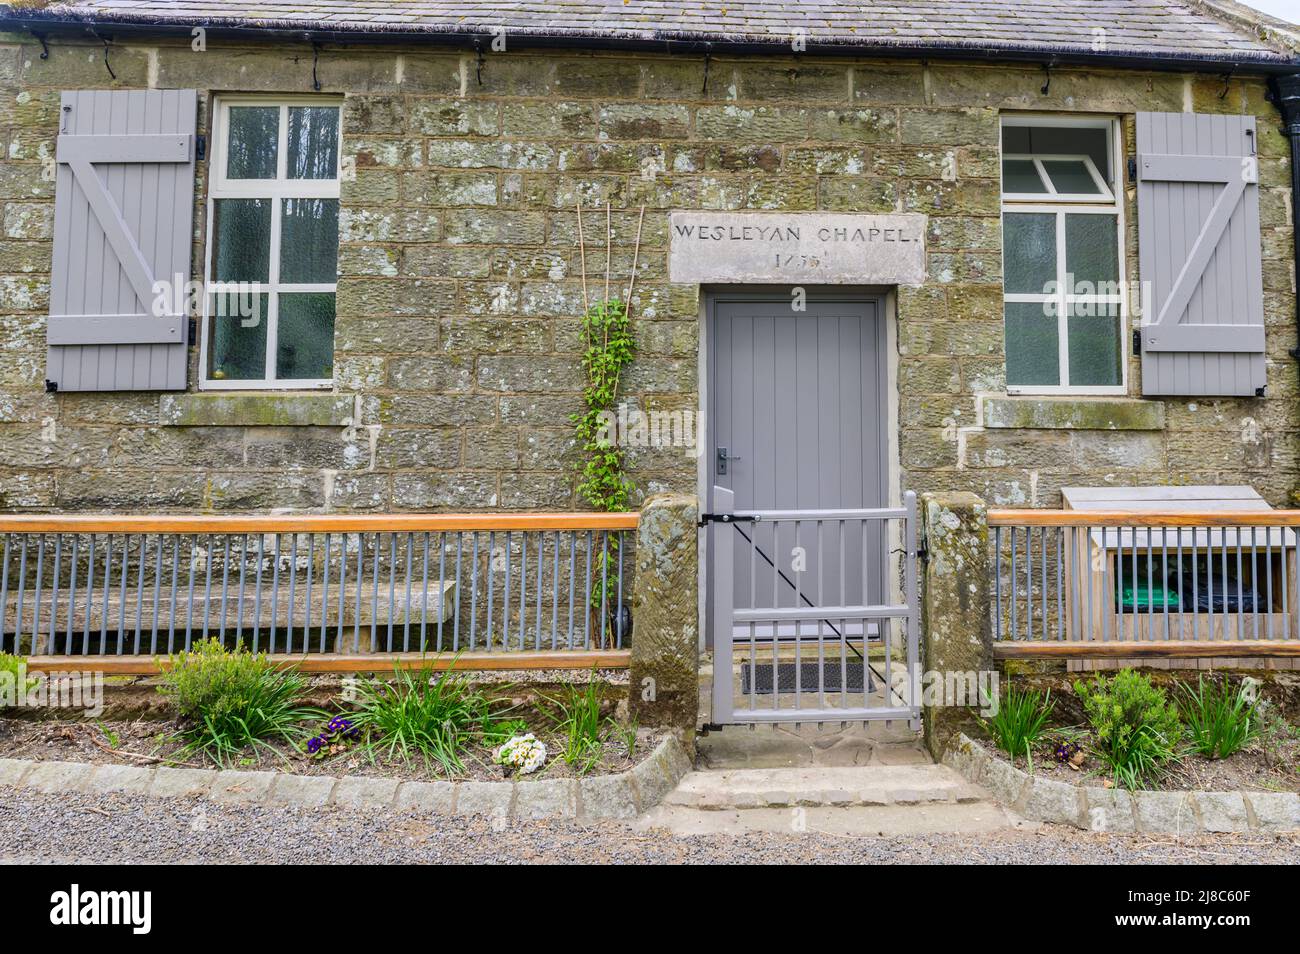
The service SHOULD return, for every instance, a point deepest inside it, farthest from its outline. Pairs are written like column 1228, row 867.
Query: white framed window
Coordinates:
column 272, row 244
column 1064, row 302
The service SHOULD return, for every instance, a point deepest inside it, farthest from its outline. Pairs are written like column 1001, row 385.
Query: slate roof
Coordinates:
column 1148, row 28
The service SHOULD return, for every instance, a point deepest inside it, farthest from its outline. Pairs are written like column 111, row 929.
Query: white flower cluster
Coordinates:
column 524, row 752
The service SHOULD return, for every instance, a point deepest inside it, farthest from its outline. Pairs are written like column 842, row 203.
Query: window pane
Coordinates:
column 1090, row 141
column 242, row 232
column 1094, row 343
column 254, row 142
column 305, row 335
column 1092, row 252
column 313, row 142
column 309, row 240
column 237, row 336
column 1020, row 175
column 1029, row 256
column 1071, row 177
column 1033, row 357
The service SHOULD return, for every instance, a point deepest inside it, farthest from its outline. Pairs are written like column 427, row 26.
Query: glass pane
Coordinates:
column 1092, row 253
column 309, row 240
column 237, row 336
column 1094, row 343
column 1029, row 257
column 1071, row 177
column 254, row 141
column 242, row 232
column 1033, row 357
column 313, row 142
column 1090, row 141
column 1020, row 175
column 305, row 336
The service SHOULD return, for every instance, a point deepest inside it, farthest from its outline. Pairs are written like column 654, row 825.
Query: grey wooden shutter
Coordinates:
column 123, row 219
column 1199, row 252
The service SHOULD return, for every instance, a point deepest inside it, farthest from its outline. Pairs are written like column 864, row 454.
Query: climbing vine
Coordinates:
column 608, row 348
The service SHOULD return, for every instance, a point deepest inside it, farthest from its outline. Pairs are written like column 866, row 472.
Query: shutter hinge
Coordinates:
column 1132, row 169
column 707, row 518
column 201, row 147
column 51, row 386
column 1259, row 391
column 1137, row 342
column 191, row 332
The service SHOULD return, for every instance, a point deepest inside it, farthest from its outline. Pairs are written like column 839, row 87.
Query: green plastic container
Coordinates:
column 1143, row 598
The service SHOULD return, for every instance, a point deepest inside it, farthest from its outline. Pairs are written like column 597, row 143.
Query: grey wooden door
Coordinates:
column 797, row 405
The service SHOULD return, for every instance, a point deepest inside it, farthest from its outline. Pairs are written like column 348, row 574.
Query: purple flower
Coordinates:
column 314, row 745
column 1066, row 751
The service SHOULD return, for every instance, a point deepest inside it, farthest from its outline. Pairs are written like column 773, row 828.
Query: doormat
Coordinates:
column 785, row 677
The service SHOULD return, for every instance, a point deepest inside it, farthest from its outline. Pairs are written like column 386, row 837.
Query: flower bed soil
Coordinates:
column 147, row 742
column 1270, row 763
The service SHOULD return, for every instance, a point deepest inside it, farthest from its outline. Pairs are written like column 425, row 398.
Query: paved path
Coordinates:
column 81, row 829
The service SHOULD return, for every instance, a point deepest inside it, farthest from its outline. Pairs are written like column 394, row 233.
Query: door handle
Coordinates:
column 722, row 459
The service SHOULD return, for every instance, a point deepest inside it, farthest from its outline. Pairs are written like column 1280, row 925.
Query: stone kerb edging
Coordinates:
column 596, row 797
column 1109, row 809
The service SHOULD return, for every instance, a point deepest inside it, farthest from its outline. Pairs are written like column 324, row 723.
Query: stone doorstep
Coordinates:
column 812, row 786
column 1102, row 809
column 625, row 795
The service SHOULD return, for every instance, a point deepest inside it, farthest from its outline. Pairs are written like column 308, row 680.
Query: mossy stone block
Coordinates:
column 253, row 410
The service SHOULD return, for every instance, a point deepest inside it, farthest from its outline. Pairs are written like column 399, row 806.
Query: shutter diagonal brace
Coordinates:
column 80, row 155
column 1165, row 333
column 116, row 231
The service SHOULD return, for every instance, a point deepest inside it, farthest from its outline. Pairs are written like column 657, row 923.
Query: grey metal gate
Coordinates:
column 787, row 652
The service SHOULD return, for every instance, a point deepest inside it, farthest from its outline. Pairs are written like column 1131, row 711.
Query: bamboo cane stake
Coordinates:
column 582, row 256
column 636, row 254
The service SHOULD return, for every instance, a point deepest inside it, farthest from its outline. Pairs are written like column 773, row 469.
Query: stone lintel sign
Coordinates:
column 813, row 247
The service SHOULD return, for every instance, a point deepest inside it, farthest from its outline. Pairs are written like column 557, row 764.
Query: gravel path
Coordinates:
column 81, row 829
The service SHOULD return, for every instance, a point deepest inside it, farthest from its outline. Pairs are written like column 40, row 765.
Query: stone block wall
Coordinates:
column 460, row 287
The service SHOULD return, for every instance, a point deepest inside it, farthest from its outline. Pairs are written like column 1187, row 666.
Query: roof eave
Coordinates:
column 46, row 22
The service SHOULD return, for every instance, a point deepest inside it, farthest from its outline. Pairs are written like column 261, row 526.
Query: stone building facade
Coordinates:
column 459, row 289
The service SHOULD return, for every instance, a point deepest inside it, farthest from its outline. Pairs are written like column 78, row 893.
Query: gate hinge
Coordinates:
column 707, row 518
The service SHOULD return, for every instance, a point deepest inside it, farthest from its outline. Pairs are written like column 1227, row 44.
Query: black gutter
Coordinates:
column 1286, row 96
column 676, row 43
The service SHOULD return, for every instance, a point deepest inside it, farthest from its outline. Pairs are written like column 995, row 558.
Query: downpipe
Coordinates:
column 1286, row 96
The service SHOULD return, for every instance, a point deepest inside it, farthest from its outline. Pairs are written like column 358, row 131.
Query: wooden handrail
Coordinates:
column 313, row 522
column 1157, row 649
column 576, row 659
column 1143, row 518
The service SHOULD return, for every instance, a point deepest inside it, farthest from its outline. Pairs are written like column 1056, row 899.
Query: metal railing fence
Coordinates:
column 319, row 584
column 1066, row 576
